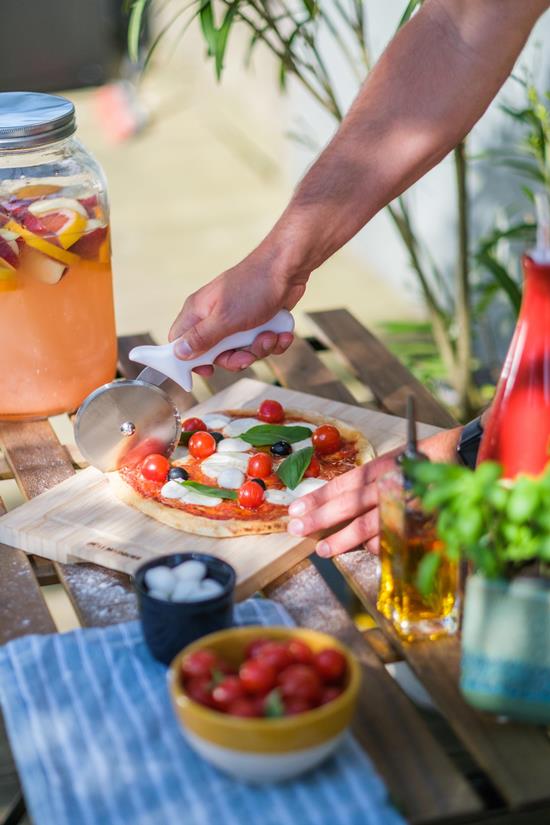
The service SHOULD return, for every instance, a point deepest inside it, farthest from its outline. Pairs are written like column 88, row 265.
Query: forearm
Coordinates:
column 432, row 84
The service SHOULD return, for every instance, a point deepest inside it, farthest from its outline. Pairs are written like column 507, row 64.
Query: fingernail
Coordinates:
column 182, row 349
column 295, row 527
column 323, row 549
column 297, row 508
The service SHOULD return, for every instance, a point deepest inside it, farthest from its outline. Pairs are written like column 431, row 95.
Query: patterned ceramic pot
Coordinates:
column 506, row 647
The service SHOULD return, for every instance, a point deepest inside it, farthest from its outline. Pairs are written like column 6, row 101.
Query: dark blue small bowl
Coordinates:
column 168, row 627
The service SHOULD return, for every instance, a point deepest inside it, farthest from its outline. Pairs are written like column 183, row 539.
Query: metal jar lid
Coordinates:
column 29, row 119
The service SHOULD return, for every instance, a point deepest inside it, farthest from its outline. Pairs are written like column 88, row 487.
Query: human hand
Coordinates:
column 352, row 497
column 243, row 297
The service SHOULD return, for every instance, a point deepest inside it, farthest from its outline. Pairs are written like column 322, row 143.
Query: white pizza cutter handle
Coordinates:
column 163, row 359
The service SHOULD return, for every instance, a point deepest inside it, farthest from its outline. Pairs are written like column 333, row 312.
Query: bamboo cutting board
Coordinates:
column 81, row 520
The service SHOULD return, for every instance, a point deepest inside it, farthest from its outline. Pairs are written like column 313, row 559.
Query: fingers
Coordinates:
column 205, row 371
column 362, row 530
column 267, row 343
column 335, row 511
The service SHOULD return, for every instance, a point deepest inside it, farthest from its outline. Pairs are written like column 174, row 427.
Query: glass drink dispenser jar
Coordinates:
column 57, row 328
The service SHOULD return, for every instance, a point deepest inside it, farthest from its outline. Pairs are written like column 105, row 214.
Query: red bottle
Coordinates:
column 517, row 433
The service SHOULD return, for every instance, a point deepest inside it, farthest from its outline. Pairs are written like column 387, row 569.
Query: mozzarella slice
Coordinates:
column 308, row 485
column 283, row 497
column 181, row 454
column 240, row 425
column 216, row 421
column 233, row 445
column 218, row 462
column 178, row 491
column 172, row 490
column 300, row 445
column 231, row 479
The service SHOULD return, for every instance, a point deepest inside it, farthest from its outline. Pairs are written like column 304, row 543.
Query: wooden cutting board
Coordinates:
column 81, row 520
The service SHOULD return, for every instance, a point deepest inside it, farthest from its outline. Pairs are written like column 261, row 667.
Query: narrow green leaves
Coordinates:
column 135, row 27
column 216, row 37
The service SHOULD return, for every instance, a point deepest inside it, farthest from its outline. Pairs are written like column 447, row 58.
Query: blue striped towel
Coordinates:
column 96, row 743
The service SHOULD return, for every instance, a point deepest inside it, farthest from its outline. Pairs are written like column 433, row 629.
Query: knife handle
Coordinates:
column 163, row 359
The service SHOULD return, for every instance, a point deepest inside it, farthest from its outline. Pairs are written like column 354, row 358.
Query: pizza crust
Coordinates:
column 201, row 525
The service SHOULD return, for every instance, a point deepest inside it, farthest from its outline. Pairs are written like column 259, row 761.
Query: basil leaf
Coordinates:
column 217, row 492
column 273, row 706
column 263, row 435
column 292, row 470
column 185, row 436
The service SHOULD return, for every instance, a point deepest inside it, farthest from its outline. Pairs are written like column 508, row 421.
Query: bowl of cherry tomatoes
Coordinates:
column 265, row 704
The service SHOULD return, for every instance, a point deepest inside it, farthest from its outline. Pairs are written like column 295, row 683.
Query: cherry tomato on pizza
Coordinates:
column 260, row 465
column 191, row 425
column 326, row 439
column 313, row 469
column 202, row 444
column 271, row 412
column 250, row 495
column 155, row 467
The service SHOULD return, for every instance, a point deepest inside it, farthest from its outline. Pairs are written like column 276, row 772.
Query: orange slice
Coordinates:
column 42, row 245
column 37, row 190
column 64, row 217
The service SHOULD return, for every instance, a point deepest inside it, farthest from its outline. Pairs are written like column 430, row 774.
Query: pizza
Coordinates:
column 236, row 472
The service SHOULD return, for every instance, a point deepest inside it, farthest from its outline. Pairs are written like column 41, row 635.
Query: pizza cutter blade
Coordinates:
column 122, row 422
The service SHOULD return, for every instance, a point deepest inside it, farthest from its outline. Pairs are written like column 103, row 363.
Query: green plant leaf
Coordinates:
column 273, row 706
column 508, row 285
column 264, row 435
column 292, row 469
column 135, row 26
column 426, row 573
column 206, row 490
column 222, row 37
column 206, row 17
column 411, row 7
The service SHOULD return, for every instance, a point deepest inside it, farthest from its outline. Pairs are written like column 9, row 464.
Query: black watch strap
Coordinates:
column 470, row 440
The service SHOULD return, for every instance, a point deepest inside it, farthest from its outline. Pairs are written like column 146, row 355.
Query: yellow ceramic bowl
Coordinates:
column 264, row 750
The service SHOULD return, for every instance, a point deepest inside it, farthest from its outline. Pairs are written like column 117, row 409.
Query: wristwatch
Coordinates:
column 470, row 440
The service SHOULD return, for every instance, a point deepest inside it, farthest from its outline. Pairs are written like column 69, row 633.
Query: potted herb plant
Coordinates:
column 503, row 529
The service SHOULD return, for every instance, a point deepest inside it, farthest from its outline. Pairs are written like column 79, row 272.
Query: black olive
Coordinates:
column 281, row 448
column 259, row 481
column 178, row 474
column 217, row 437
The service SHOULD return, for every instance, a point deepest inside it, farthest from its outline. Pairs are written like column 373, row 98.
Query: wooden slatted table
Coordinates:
column 452, row 765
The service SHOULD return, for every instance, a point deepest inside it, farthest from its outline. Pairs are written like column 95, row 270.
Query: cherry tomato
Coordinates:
column 271, row 411
column 314, row 468
column 199, row 689
column 260, row 465
column 202, row 444
column 191, row 425
column 331, row 665
column 228, row 692
column 257, row 677
column 250, row 495
column 244, row 707
column 326, row 439
column 253, row 647
column 200, row 663
column 293, row 706
column 300, row 652
column 330, row 692
column 274, row 654
column 300, row 682
column 155, row 467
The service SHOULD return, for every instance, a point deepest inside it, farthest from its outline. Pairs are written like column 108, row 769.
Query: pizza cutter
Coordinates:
column 122, row 422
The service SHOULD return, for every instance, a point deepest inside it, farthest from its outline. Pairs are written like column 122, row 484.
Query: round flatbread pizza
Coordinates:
column 236, row 472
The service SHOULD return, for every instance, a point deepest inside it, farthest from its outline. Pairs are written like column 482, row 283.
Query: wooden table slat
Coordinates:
column 417, row 771
column 515, row 757
column 23, row 609
column 300, row 368
column 389, row 380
